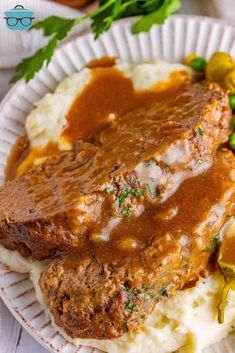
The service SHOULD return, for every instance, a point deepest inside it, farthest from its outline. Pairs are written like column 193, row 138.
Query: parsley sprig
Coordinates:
column 57, row 28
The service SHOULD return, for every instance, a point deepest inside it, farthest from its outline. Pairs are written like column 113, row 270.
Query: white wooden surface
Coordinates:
column 13, row 338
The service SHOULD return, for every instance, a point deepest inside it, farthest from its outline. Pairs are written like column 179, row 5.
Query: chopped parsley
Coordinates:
column 164, row 292
column 152, row 189
column 138, row 193
column 123, row 195
column 200, row 131
column 129, row 304
column 149, row 162
column 110, row 190
column 125, row 327
column 150, row 292
column 213, row 243
column 172, row 170
column 127, row 212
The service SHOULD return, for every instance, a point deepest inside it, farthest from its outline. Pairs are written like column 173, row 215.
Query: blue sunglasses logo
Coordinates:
column 19, row 18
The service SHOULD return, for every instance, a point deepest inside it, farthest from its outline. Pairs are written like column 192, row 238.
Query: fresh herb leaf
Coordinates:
column 29, row 66
column 149, row 162
column 110, row 190
column 132, row 294
column 138, row 193
column 126, row 212
column 157, row 17
column 152, row 189
column 125, row 327
column 200, row 131
column 53, row 26
column 164, row 292
column 57, row 28
column 213, row 243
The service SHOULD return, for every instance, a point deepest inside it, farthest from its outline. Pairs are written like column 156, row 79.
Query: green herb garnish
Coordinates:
column 200, row 131
column 127, row 212
column 172, row 170
column 132, row 293
column 213, row 243
column 152, row 189
column 200, row 161
column 164, row 292
column 110, row 190
column 57, row 28
column 125, row 327
column 129, row 191
column 149, row 162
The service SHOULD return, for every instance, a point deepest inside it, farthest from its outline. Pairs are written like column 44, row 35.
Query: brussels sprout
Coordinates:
column 218, row 67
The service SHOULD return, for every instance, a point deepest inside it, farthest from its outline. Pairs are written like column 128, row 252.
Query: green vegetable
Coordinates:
column 231, row 141
column 200, row 131
column 228, row 270
column 229, row 284
column 226, row 264
column 110, row 190
column 232, row 101
column 150, row 162
column 213, row 243
column 198, row 64
column 126, row 212
column 164, row 292
column 132, row 294
column 152, row 189
column 152, row 11
column 200, row 161
column 138, row 193
column 157, row 17
column 125, row 327
column 232, row 125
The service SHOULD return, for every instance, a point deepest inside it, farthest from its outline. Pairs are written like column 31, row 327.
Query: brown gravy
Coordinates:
column 109, row 91
column 18, row 154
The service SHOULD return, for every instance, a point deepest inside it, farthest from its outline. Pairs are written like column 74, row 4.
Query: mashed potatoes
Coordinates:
column 46, row 122
column 186, row 323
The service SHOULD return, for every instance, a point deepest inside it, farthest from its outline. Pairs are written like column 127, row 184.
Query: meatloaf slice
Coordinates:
column 142, row 158
column 92, row 298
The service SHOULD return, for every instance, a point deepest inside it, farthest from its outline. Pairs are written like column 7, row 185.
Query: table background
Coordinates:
column 13, row 338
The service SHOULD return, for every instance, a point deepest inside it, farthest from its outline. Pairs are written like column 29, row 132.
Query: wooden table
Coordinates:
column 13, row 338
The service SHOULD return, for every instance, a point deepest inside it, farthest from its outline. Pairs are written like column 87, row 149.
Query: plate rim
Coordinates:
column 88, row 32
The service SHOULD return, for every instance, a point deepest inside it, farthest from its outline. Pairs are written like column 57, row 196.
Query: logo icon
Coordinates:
column 19, row 18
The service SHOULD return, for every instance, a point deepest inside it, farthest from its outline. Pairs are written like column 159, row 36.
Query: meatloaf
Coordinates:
column 141, row 159
column 103, row 294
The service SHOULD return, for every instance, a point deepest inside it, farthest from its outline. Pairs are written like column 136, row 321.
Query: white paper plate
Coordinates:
column 179, row 36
